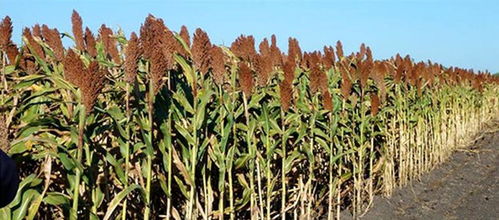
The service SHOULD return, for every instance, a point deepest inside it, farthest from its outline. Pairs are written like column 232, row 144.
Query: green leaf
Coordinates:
column 56, row 198
column 117, row 200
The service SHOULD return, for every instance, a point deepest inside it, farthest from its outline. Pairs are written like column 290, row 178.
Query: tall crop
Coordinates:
column 169, row 125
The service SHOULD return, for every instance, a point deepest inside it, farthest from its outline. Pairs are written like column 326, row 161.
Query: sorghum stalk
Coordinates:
column 127, row 146
column 251, row 152
column 222, row 189
column 76, row 191
column 283, row 166
column 150, row 106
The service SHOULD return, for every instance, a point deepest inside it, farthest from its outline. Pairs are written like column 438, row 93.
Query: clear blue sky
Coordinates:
column 451, row 32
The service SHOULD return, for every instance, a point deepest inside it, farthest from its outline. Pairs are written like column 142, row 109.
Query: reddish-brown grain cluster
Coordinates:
column 157, row 45
column 294, row 50
column 200, row 50
column 286, row 94
column 218, row 65
column 90, row 80
column 53, row 39
column 339, row 50
column 132, row 56
column 375, row 102
column 90, row 43
column 77, row 25
column 245, row 78
column 286, row 85
column 6, row 43
column 5, row 32
column 110, row 44
column 34, row 47
column 244, row 48
column 264, row 63
column 275, row 52
column 184, row 34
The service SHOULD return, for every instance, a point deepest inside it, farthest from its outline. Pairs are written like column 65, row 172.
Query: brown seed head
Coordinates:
column 74, row 69
column 339, row 50
column 318, row 80
column 275, row 52
column 110, row 43
column 27, row 62
column 245, row 78
column 78, row 30
column 132, row 53
column 37, row 31
column 264, row 48
column 328, row 59
column 327, row 100
column 362, row 52
column 294, row 49
column 217, row 65
column 90, row 43
column 286, row 93
column 369, row 55
column 201, row 47
column 378, row 76
column 365, row 69
column 244, row 48
column 263, row 67
column 374, row 104
column 346, row 83
column 184, row 34
column 154, row 36
column 35, row 48
column 5, row 32
column 158, row 70
column 92, row 85
column 289, row 70
column 12, row 53
column 170, row 45
column 53, row 39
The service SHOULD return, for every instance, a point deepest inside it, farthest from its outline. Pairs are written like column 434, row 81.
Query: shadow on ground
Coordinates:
column 464, row 187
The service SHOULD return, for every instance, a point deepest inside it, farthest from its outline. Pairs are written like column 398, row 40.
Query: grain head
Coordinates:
column 77, row 26
column 245, row 78
column 286, row 94
column 90, row 43
column 201, row 47
column 106, row 35
column 53, row 39
column 5, row 32
column 217, row 65
column 184, row 34
column 132, row 56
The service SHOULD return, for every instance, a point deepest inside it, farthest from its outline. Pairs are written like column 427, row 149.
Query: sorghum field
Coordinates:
column 164, row 124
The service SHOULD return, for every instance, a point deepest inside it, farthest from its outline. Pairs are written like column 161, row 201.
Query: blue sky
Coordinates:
column 453, row 33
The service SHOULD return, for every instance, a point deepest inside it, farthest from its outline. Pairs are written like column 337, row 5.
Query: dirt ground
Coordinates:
column 464, row 187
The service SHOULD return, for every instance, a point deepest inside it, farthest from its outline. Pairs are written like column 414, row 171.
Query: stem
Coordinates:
column 169, row 156
column 252, row 162
column 4, row 77
column 340, row 166
column 150, row 109
column 234, row 144
column 330, row 197
column 169, row 167
column 127, row 147
column 193, row 162
column 283, row 167
column 222, row 189
column 81, row 130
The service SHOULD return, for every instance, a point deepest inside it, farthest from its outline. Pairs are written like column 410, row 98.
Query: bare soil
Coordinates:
column 464, row 187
